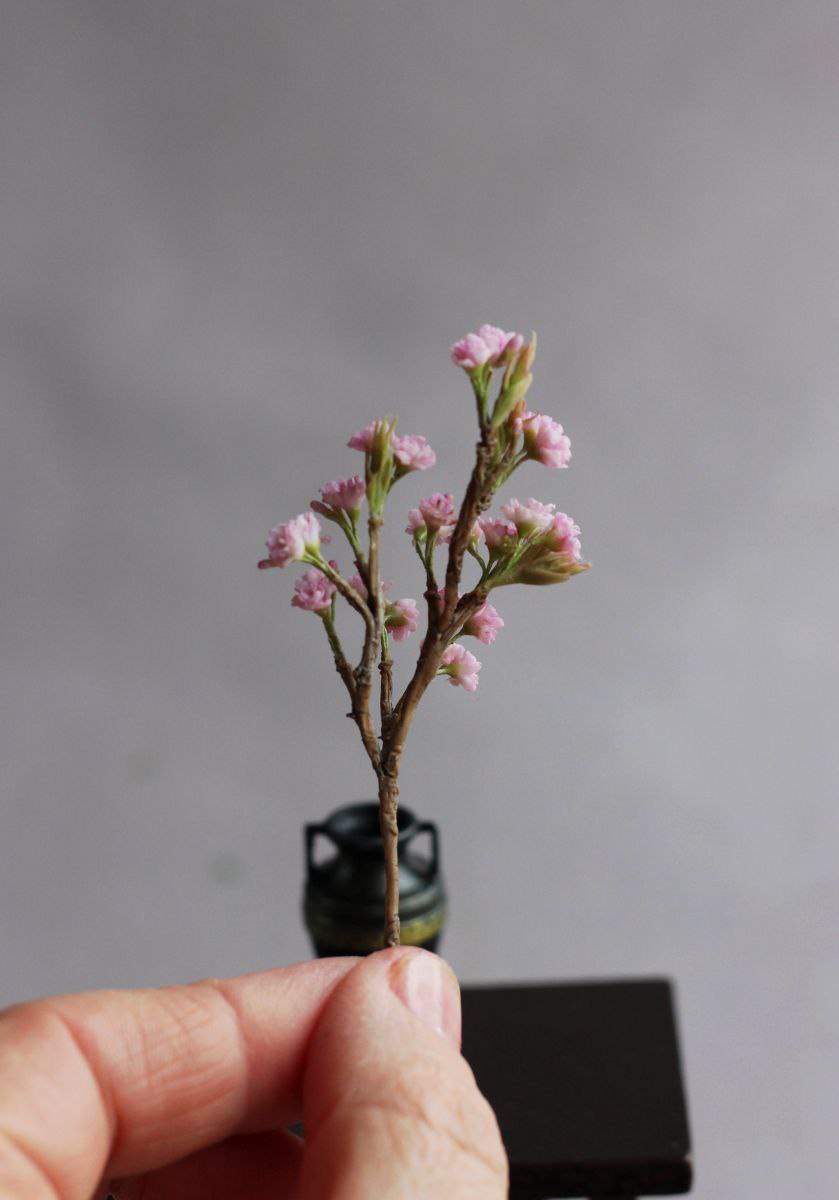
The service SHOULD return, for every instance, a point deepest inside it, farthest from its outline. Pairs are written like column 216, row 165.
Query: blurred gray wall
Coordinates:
column 234, row 233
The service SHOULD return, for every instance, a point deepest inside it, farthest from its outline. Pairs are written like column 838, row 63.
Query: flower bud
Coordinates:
column 510, row 398
column 517, row 381
column 379, row 465
column 539, row 566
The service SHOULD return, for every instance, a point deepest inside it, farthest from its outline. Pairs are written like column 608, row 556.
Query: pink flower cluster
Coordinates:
column 545, row 441
column 438, row 510
column 363, row 440
column 484, row 625
column 461, row 667
column 313, row 592
column 343, row 494
column 563, row 536
column 530, row 517
column 434, row 513
column 401, row 619
column 292, row 541
column 355, row 581
column 488, row 345
column 497, row 534
column 400, row 616
column 528, row 543
column 556, row 530
column 412, row 451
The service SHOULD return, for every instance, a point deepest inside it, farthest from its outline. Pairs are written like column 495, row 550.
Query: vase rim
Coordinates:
column 356, row 826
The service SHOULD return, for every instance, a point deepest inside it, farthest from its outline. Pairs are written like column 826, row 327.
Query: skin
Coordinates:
column 187, row 1091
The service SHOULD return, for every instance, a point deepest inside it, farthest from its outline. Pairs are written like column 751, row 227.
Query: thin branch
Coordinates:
column 357, row 713
column 386, row 687
column 373, row 630
column 444, row 619
column 360, row 700
column 350, row 595
column 477, row 499
column 342, row 666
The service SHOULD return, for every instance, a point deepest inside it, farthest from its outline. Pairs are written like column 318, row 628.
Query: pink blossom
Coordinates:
column 545, row 440
column 346, row 494
column 363, row 440
column 313, row 592
column 484, row 624
column 529, row 517
column 496, row 532
column 518, row 419
column 401, row 619
column 489, row 345
column 461, row 667
column 358, row 584
column 355, row 581
column 416, row 524
column 413, row 453
column 563, row 536
column 437, row 510
column 291, row 541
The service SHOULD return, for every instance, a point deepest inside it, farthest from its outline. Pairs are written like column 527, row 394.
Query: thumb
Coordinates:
column 391, row 1108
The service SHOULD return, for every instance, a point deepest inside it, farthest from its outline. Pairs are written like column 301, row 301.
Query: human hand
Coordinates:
column 185, row 1092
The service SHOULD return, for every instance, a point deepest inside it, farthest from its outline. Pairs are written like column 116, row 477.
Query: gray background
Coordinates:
column 234, row 233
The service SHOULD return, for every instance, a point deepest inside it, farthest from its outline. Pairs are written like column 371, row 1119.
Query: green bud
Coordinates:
column 515, row 383
column 539, row 566
column 524, row 362
column 556, row 568
column 380, row 465
column 509, row 398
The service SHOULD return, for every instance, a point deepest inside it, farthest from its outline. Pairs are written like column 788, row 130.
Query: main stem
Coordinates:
column 389, row 825
column 444, row 619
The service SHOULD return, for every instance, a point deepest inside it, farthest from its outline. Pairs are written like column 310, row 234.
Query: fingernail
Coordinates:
column 428, row 987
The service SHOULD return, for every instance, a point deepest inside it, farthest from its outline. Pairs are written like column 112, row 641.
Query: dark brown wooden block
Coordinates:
column 586, row 1083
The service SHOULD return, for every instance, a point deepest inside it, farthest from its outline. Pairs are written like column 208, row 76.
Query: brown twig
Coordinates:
column 342, row 666
column 443, row 622
column 373, row 627
column 349, row 593
column 356, row 713
column 388, row 788
column 386, row 686
column 389, row 826
column 360, row 711
column 478, row 498
column 445, row 619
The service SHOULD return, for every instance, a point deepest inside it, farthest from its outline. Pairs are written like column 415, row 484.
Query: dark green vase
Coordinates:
column 344, row 899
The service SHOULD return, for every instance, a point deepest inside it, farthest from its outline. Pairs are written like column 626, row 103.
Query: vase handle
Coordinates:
column 430, row 828
column 311, row 833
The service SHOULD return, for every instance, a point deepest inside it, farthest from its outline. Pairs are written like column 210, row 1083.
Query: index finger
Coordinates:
column 120, row 1082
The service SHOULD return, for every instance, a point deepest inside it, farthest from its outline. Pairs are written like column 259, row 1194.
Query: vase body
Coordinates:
column 344, row 898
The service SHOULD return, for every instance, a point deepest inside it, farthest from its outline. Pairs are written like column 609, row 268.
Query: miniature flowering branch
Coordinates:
column 530, row 543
